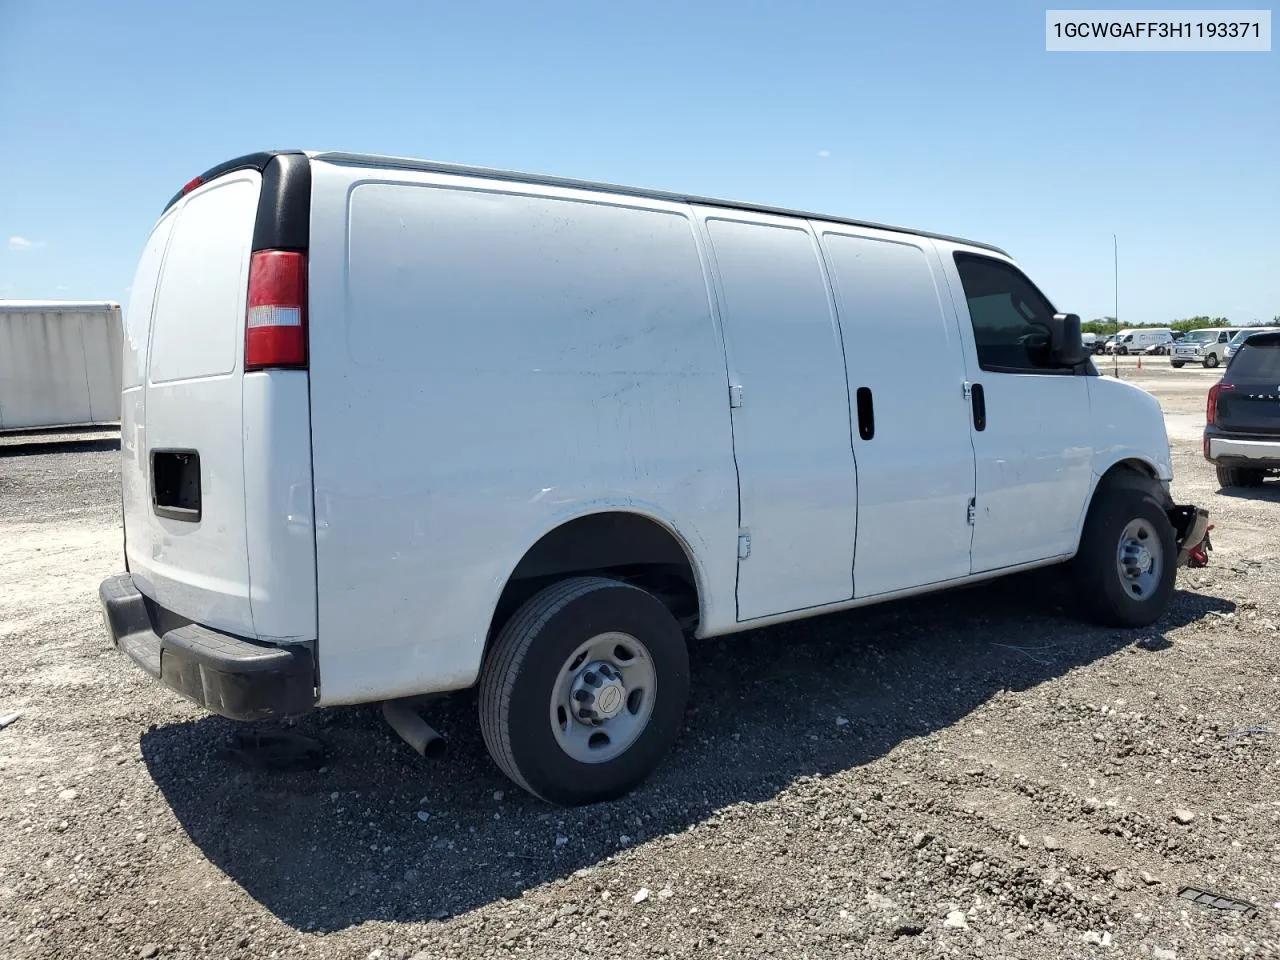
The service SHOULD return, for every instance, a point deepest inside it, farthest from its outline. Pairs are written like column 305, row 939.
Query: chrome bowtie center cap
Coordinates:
column 598, row 693
column 1137, row 559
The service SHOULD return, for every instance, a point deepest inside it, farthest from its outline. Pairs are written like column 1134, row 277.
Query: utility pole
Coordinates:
column 1115, row 347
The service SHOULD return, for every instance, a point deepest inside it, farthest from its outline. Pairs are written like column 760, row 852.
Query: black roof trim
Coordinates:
column 259, row 161
column 433, row 166
column 250, row 161
column 284, row 205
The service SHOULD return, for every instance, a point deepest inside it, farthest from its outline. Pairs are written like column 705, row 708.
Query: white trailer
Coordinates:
column 59, row 363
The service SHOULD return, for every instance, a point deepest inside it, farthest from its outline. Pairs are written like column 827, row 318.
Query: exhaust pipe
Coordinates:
column 415, row 731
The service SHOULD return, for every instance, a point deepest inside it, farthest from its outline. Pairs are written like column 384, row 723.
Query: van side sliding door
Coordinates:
column 911, row 437
column 797, row 484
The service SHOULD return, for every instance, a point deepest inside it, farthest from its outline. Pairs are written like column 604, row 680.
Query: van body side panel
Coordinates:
column 916, row 472
column 488, row 360
column 196, row 567
column 279, row 519
column 791, row 433
column 1127, row 424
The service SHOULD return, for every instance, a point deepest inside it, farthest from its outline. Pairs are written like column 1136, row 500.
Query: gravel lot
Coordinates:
column 975, row 774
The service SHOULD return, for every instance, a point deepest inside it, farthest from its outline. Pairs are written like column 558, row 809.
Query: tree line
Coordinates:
column 1107, row 325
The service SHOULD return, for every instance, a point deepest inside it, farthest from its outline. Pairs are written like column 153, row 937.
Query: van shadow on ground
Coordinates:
column 328, row 849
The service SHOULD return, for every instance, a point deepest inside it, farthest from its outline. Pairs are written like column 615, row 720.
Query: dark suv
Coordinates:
column 1242, row 435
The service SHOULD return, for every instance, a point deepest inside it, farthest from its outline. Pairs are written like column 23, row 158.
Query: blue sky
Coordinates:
column 944, row 116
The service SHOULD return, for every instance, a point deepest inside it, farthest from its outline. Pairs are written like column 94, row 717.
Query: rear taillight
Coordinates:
column 275, row 330
column 191, row 185
column 1211, row 407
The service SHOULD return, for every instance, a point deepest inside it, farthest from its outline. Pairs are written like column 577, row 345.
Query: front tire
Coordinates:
column 1211, row 361
column 1239, row 477
column 1177, row 364
column 584, row 691
column 1125, row 569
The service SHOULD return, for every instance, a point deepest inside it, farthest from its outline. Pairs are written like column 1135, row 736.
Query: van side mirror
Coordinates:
column 1065, row 345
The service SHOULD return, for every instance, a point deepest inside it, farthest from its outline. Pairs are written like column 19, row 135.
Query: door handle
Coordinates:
column 866, row 414
column 979, row 400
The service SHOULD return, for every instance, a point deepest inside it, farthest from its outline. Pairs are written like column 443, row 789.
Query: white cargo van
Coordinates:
column 394, row 428
column 1142, row 340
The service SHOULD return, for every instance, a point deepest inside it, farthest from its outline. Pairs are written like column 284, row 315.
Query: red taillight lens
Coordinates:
column 191, row 185
column 1211, row 407
column 275, row 330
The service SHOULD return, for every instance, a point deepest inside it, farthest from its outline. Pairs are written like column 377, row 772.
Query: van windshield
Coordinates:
column 1201, row 336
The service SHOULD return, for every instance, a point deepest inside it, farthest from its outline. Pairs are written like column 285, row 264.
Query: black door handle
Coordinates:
column 866, row 414
column 979, row 408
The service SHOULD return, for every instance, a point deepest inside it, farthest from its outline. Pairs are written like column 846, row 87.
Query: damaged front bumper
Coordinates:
column 1191, row 528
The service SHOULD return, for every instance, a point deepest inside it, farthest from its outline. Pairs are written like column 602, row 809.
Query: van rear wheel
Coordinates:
column 584, row 691
column 1125, row 569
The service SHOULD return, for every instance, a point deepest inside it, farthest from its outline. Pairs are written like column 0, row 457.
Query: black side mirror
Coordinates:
column 1065, row 346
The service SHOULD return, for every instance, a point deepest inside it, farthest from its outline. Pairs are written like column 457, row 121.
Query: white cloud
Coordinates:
column 22, row 243
column 824, row 153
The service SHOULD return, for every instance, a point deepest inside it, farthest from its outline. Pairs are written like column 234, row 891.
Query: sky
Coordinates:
column 948, row 117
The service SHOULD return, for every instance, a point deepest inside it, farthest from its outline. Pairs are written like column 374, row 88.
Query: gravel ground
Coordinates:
column 974, row 774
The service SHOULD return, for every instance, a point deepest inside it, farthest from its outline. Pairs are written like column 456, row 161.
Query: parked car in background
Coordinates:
column 1090, row 341
column 1140, row 340
column 1240, row 337
column 1104, row 346
column 1206, row 347
column 1242, row 420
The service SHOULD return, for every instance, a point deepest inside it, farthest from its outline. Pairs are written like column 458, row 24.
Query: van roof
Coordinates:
column 260, row 160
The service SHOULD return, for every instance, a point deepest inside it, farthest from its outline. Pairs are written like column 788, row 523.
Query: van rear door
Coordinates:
column 219, row 525
column 185, row 499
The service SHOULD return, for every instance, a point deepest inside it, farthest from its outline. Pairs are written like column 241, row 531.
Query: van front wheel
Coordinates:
column 584, row 690
column 1211, row 361
column 1125, row 569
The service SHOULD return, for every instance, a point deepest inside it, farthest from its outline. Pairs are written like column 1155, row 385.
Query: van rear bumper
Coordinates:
column 235, row 678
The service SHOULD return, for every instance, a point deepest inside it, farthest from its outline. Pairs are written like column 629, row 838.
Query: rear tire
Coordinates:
column 1125, row 569
column 1239, row 477
column 1211, row 361
column 540, row 672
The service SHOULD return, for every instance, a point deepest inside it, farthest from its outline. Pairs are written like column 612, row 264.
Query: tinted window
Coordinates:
column 1011, row 318
column 1257, row 359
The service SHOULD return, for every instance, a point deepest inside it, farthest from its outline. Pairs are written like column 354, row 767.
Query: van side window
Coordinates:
column 1010, row 317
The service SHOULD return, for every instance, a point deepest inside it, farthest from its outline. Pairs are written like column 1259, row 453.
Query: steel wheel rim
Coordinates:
column 616, row 674
column 1139, row 559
